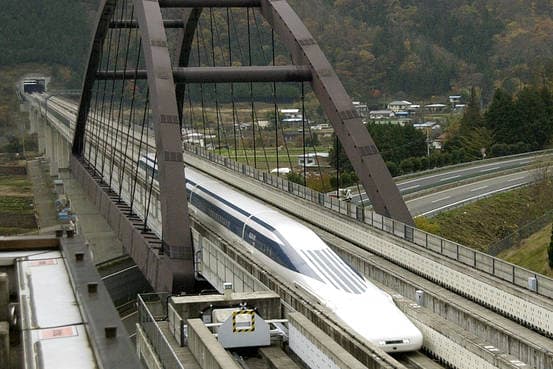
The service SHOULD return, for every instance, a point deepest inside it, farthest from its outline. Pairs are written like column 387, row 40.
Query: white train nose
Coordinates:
column 381, row 323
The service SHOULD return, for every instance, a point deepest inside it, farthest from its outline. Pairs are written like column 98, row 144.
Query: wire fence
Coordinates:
column 481, row 261
column 523, row 232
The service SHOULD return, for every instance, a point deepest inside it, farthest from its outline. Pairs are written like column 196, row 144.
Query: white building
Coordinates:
column 381, row 114
column 291, row 116
column 435, row 107
column 311, row 159
column 361, row 108
column 397, row 105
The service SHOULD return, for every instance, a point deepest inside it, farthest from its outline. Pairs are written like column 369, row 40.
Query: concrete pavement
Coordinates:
column 101, row 238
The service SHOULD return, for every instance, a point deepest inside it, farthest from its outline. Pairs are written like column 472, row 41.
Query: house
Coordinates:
column 361, row 108
column 454, row 100
column 320, row 127
column 413, row 109
column 197, row 138
column 312, row 159
column 397, row 105
column 435, row 108
column 438, row 142
column 290, row 136
column 263, row 123
column 426, row 126
column 291, row 116
column 281, row 170
column 381, row 114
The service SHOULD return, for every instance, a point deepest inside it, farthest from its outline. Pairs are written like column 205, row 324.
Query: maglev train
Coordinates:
column 296, row 253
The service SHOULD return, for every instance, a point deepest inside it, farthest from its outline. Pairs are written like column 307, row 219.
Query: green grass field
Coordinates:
column 18, row 184
column 487, row 221
column 532, row 252
column 16, row 205
column 16, row 199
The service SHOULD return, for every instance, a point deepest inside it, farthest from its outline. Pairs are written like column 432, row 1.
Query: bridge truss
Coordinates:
column 211, row 68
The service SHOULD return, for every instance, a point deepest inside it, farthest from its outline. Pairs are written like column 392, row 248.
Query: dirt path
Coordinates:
column 43, row 194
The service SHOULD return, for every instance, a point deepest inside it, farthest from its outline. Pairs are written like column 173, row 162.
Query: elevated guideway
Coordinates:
column 461, row 270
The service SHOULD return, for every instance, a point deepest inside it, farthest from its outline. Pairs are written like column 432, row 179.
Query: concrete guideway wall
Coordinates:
column 222, row 259
column 450, row 344
column 206, row 349
column 508, row 336
column 474, row 259
column 453, row 345
column 507, row 300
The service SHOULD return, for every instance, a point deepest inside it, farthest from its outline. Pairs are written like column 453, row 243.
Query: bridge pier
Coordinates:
column 41, row 137
column 63, row 150
column 50, row 150
column 37, row 125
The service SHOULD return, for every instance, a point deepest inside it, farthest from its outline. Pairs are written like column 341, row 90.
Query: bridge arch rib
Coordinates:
column 166, row 86
column 336, row 103
column 168, row 266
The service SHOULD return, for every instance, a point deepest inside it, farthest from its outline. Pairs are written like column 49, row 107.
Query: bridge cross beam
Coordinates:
column 336, row 103
column 173, row 261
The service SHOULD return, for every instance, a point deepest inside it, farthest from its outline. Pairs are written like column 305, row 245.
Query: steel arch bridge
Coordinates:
column 135, row 69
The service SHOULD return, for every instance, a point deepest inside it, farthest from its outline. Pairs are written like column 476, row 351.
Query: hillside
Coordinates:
column 417, row 49
column 383, row 49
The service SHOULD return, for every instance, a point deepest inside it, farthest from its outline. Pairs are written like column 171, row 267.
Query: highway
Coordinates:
column 436, row 202
column 451, row 188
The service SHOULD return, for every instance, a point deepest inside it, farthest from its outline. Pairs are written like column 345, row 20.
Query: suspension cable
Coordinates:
column 131, row 113
column 144, row 114
column 147, row 213
column 111, row 121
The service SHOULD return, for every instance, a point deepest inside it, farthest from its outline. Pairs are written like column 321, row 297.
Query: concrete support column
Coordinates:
column 41, row 134
column 60, row 146
column 4, row 296
column 4, row 345
column 51, row 150
column 33, row 120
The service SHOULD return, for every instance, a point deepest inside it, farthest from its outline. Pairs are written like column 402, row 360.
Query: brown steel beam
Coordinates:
column 107, row 8
column 131, row 23
column 221, row 74
column 177, row 237
column 338, row 107
column 184, row 48
column 209, row 3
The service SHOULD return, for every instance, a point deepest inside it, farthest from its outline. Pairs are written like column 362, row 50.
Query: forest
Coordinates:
column 510, row 125
column 382, row 50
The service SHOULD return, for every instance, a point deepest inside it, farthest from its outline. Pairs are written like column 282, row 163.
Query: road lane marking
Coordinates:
column 489, row 169
column 467, row 200
column 442, row 199
column 478, row 188
column 448, row 178
column 410, row 187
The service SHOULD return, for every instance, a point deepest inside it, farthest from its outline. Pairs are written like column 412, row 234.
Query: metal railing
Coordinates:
column 151, row 309
column 481, row 261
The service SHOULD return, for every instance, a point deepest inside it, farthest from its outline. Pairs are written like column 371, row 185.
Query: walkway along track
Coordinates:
column 522, row 342
column 503, row 333
column 521, row 305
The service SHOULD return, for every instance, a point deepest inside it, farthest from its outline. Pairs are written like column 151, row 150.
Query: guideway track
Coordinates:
column 521, row 305
column 295, row 198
